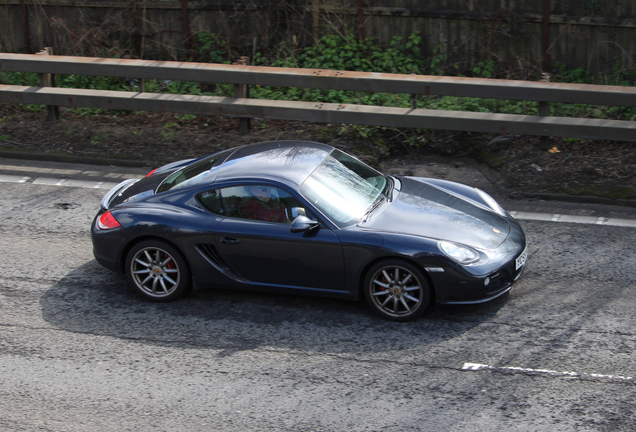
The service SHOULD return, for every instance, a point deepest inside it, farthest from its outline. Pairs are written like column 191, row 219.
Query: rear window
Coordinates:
column 191, row 174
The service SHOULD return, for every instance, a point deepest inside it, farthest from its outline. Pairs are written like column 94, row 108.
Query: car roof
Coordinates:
column 287, row 161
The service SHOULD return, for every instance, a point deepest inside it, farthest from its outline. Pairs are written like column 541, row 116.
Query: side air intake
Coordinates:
column 210, row 253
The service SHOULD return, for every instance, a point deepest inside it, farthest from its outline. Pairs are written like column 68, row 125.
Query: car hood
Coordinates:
column 428, row 210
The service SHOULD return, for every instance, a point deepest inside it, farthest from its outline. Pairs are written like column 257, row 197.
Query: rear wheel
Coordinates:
column 157, row 270
column 396, row 290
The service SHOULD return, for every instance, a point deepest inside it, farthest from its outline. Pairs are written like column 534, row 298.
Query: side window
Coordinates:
column 261, row 202
column 211, row 200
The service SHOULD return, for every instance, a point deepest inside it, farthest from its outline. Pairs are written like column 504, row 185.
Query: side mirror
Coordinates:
column 293, row 212
column 303, row 223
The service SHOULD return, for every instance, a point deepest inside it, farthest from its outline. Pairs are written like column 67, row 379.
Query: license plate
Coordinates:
column 521, row 260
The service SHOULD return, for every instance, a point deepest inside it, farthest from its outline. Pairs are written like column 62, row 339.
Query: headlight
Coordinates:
column 461, row 254
column 491, row 202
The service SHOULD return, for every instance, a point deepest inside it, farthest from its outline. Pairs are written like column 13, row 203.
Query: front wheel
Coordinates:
column 396, row 290
column 157, row 271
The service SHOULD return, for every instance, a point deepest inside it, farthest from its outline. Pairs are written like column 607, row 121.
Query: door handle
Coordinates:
column 229, row 240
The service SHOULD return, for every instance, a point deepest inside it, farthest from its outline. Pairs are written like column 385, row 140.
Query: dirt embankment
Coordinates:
column 524, row 164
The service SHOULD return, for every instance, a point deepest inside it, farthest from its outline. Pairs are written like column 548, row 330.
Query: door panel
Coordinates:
column 269, row 253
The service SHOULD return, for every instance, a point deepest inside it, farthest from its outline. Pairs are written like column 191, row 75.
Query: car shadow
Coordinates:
column 91, row 299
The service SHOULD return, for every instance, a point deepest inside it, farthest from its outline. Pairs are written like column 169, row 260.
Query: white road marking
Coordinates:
column 40, row 170
column 532, row 216
column 66, row 172
column 91, row 184
column 478, row 366
column 13, row 178
column 47, row 181
column 593, row 220
column 590, row 220
column 620, row 222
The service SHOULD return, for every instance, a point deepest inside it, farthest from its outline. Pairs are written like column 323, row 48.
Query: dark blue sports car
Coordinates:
column 303, row 217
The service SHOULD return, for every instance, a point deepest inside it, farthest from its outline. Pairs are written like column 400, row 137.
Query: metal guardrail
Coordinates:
column 323, row 79
column 325, row 112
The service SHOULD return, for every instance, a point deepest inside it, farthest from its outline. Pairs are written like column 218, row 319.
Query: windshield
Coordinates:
column 343, row 188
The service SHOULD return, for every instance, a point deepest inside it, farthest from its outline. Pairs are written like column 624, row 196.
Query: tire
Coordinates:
column 157, row 271
column 396, row 290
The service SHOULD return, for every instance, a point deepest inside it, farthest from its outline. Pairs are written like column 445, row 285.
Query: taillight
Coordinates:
column 151, row 172
column 107, row 221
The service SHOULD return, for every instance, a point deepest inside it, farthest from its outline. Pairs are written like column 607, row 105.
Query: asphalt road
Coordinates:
column 80, row 352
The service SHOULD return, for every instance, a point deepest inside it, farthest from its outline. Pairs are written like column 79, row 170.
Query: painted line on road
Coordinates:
column 479, row 366
column 545, row 217
column 14, row 179
column 67, row 172
column 91, row 184
column 590, row 220
column 40, row 170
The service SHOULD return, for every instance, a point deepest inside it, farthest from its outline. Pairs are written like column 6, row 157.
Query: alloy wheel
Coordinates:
column 397, row 292
column 155, row 272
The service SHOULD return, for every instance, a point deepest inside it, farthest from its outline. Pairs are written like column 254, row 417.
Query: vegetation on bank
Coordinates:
column 347, row 53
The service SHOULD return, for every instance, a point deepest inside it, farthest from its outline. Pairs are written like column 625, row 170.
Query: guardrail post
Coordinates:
column 48, row 80
column 544, row 111
column 413, row 97
column 243, row 91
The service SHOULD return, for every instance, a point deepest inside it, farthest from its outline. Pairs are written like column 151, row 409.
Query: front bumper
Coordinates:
column 458, row 285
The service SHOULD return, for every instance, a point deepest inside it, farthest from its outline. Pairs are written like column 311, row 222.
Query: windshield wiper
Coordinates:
column 388, row 189
column 374, row 206
column 387, row 194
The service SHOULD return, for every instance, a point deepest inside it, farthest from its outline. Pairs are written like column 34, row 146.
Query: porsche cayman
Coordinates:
column 305, row 218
